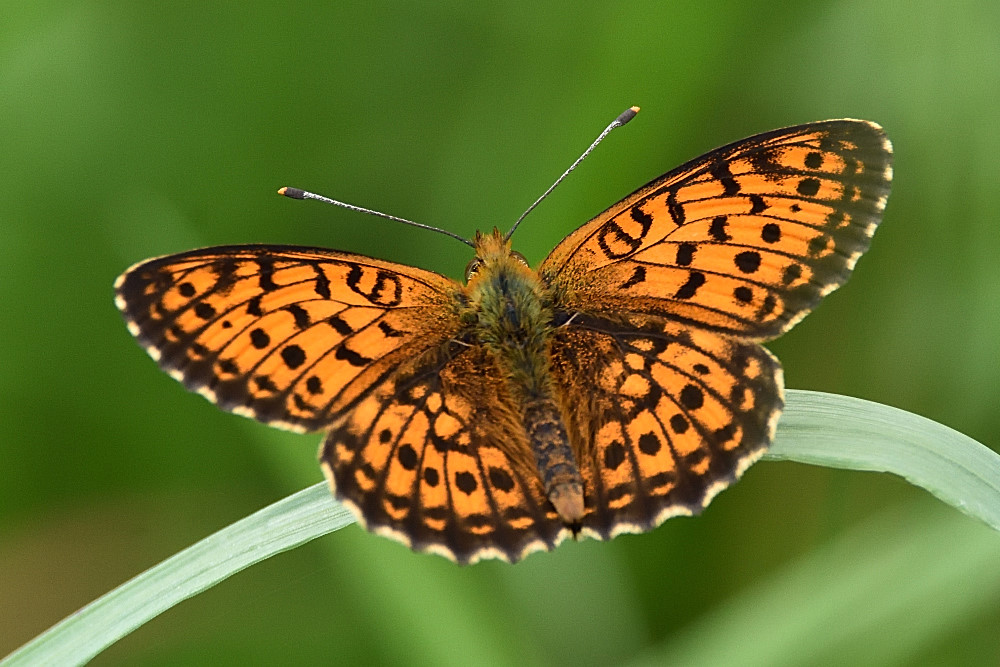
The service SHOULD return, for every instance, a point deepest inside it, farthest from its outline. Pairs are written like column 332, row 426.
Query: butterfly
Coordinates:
column 620, row 383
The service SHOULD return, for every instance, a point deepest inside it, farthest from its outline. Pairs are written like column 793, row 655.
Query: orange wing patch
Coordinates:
column 661, row 417
column 289, row 336
column 745, row 240
column 437, row 458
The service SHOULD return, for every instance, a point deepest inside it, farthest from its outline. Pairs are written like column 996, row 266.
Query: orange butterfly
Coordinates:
column 619, row 384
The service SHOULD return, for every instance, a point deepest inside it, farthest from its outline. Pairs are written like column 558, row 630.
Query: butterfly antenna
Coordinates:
column 296, row 193
column 623, row 118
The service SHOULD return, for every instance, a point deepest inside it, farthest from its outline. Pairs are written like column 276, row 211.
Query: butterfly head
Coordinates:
column 493, row 253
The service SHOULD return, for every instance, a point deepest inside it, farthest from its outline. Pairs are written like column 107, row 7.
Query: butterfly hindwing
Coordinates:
column 661, row 416
column 436, row 458
column 289, row 336
column 744, row 240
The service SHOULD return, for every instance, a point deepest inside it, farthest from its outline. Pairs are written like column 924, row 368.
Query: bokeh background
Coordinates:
column 132, row 130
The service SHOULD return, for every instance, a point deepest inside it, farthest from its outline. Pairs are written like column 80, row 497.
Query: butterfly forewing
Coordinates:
column 289, row 336
column 744, row 240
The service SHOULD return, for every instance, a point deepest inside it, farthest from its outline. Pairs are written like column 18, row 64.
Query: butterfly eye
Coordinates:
column 519, row 257
column 473, row 268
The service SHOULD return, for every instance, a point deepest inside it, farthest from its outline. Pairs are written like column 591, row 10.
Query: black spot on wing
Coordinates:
column 293, row 356
column 350, row 356
column 720, row 170
column 690, row 288
column 638, row 276
column 265, row 274
column 300, row 314
column 770, row 233
column 718, row 229
column 259, row 339
column 685, row 253
column 322, row 286
column 748, row 261
column 253, row 307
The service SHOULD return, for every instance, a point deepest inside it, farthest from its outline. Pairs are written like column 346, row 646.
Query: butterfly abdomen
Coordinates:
column 556, row 463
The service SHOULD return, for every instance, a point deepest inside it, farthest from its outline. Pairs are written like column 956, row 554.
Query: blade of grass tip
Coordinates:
column 851, row 433
column 286, row 524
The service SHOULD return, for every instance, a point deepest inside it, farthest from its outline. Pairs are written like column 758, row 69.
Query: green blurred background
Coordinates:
column 134, row 130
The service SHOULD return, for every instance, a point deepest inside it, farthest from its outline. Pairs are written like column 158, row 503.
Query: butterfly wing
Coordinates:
column 744, row 240
column 661, row 416
column 290, row 336
column 437, row 458
column 666, row 393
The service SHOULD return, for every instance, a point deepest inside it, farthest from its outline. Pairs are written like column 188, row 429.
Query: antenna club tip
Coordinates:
column 627, row 115
column 294, row 193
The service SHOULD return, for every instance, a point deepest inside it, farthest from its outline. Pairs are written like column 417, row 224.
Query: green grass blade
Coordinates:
column 286, row 524
column 817, row 428
column 882, row 593
column 844, row 432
